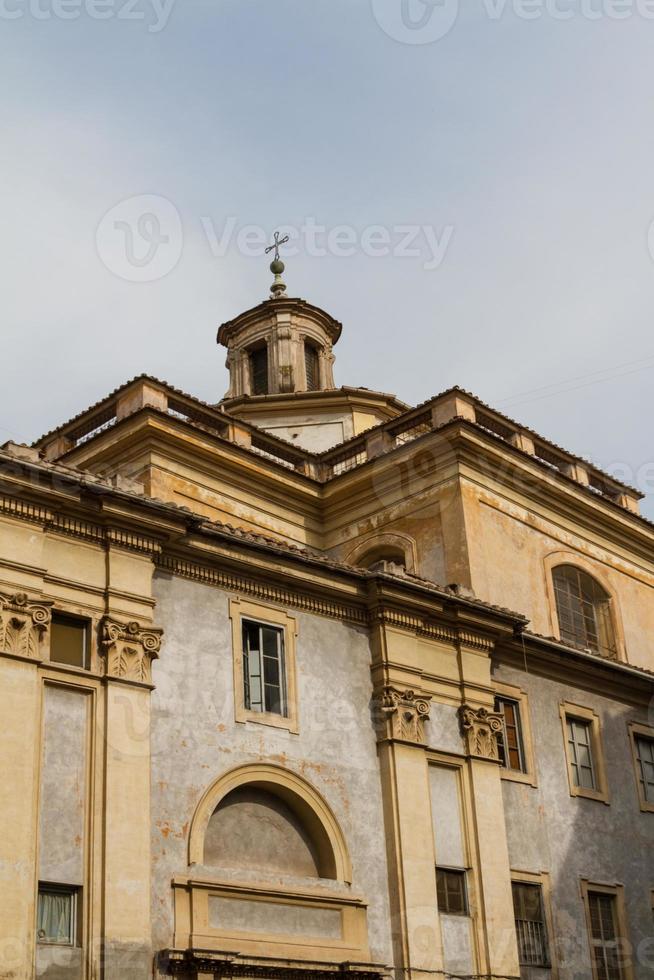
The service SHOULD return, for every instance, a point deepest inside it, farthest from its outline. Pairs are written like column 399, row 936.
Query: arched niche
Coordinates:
column 398, row 549
column 294, row 808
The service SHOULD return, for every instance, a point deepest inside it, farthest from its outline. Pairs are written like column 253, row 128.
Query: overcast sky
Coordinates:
column 483, row 176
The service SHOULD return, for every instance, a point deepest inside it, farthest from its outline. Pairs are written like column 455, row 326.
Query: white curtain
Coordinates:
column 54, row 917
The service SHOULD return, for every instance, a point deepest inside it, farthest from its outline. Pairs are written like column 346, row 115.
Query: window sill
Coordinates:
column 588, row 794
column 243, row 716
column 515, row 776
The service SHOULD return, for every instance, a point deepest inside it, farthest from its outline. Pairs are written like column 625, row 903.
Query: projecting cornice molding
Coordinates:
column 481, row 730
column 129, row 650
column 24, row 625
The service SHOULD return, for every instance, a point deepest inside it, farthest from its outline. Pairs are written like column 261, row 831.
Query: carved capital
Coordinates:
column 402, row 715
column 481, row 729
column 24, row 625
column 129, row 649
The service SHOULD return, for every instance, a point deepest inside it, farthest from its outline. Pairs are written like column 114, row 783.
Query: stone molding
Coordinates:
column 129, row 649
column 403, row 715
column 481, row 729
column 24, row 624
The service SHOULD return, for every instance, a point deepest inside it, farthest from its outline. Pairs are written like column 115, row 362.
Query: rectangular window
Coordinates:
column 580, row 753
column 510, row 743
column 604, row 941
column 451, row 891
column 69, row 640
column 264, row 677
column 312, row 369
column 259, row 370
column 56, row 915
column 645, row 761
column 530, row 924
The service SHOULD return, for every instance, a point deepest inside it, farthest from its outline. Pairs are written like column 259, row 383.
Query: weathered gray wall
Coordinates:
column 574, row 838
column 195, row 739
column 62, row 803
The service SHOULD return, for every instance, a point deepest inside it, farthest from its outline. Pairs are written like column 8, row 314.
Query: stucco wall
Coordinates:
column 509, row 547
column 573, row 838
column 195, row 739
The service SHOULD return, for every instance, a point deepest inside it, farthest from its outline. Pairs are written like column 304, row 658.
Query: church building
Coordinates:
column 311, row 683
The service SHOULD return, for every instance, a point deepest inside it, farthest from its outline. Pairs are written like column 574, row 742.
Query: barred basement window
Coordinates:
column 510, row 743
column 530, row 924
column 312, row 367
column 69, row 640
column 264, row 675
column 259, row 371
column 580, row 753
column 451, row 891
column 604, row 942
column 583, row 610
column 56, row 915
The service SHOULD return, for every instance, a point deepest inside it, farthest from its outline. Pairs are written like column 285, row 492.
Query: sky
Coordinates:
column 467, row 186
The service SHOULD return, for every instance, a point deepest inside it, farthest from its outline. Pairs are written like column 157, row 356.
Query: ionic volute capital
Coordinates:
column 129, row 649
column 481, row 729
column 24, row 625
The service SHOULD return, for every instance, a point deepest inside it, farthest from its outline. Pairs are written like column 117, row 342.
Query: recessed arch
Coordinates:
column 387, row 545
column 309, row 806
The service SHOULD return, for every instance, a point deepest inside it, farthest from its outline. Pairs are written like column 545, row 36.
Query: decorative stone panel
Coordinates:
column 481, row 729
column 403, row 714
column 24, row 625
column 129, row 649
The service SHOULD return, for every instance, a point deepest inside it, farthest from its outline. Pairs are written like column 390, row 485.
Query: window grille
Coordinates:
column 530, row 924
column 604, row 942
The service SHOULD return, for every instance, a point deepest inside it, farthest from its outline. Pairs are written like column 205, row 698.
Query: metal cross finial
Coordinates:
column 275, row 245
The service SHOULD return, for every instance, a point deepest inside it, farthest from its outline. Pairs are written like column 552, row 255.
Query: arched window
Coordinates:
column 312, row 367
column 584, row 611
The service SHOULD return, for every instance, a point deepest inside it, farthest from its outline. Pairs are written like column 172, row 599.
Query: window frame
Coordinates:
column 73, row 892
column 241, row 610
column 311, row 351
column 570, row 711
column 509, row 692
column 542, row 879
column 595, row 571
column 637, row 731
column 253, row 352
column 72, row 619
column 462, row 875
column 616, row 891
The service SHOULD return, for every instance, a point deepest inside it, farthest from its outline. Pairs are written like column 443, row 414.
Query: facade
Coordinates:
column 311, row 682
